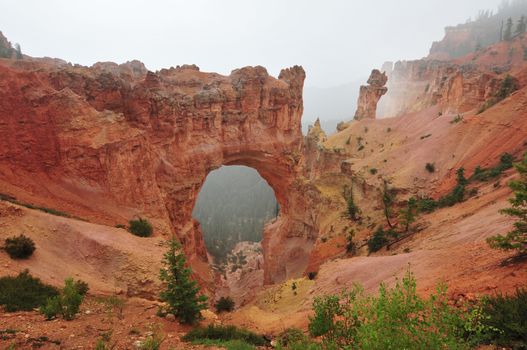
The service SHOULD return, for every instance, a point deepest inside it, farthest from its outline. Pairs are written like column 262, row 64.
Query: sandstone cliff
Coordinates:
column 457, row 86
column 110, row 142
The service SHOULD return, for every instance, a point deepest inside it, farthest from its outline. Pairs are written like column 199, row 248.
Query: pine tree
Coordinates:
column 388, row 198
column 409, row 213
column 18, row 51
column 517, row 238
column 521, row 27
column 181, row 292
column 507, row 36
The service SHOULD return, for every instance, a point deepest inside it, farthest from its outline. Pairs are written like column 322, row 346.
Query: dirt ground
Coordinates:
column 125, row 330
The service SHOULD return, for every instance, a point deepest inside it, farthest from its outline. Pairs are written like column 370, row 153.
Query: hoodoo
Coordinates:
column 370, row 95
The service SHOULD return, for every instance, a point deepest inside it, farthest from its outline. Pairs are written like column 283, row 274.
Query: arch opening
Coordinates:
column 232, row 207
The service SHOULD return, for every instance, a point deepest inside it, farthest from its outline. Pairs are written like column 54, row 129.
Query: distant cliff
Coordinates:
column 485, row 30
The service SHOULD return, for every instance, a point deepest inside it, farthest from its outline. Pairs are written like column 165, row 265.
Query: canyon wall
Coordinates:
column 456, row 86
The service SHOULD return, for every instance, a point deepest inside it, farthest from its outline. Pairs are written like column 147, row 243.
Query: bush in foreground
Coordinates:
column 24, row 292
column 141, row 227
column 225, row 304
column 506, row 319
column 224, row 333
column 398, row 318
column 67, row 303
column 19, row 247
column 294, row 339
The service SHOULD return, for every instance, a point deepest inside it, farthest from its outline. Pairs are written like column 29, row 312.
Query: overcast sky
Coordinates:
column 335, row 41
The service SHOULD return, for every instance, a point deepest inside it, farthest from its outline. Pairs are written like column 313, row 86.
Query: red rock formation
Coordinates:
column 113, row 141
column 457, row 86
column 369, row 95
column 415, row 85
column 457, row 41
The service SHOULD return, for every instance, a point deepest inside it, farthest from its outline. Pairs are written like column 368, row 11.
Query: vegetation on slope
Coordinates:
column 516, row 239
column 19, row 247
column 67, row 303
column 24, row 292
column 226, row 336
column 398, row 318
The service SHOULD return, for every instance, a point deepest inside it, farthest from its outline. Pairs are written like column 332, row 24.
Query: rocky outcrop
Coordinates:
column 242, row 275
column 370, row 94
column 113, row 141
column 455, row 87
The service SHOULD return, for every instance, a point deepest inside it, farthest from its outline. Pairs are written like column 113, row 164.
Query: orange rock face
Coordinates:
column 113, row 141
column 457, row 85
column 370, row 94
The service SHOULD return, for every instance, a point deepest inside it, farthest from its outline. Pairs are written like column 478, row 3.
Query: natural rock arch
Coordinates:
column 114, row 140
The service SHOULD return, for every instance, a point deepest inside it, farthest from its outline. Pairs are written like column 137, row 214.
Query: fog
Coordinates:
column 337, row 42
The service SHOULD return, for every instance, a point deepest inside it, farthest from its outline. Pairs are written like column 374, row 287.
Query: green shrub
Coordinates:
column 457, row 195
column 351, row 247
column 114, row 305
column 458, row 118
column 82, row 287
column 24, row 292
column 225, row 304
column 352, row 210
column 294, row 339
column 311, row 275
column 408, row 214
column 482, row 174
column 426, row 205
column 373, row 171
column 516, row 239
column 398, row 318
column 506, row 319
column 379, row 239
column 102, row 344
column 430, row 167
column 52, row 308
column 153, row 342
column 226, row 344
column 71, row 299
column 141, row 227
column 224, row 333
column 19, row 247
column 67, row 303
